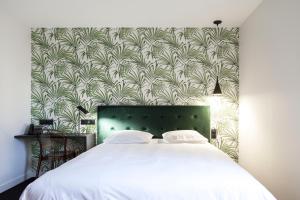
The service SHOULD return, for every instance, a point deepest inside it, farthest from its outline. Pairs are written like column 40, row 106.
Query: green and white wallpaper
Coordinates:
column 136, row 66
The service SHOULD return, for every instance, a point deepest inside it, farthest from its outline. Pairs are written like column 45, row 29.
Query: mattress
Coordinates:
column 148, row 171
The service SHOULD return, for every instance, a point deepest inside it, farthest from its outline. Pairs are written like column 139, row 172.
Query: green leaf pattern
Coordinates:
column 136, row 66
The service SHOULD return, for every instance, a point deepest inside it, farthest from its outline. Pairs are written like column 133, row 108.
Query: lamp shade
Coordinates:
column 82, row 109
column 217, row 90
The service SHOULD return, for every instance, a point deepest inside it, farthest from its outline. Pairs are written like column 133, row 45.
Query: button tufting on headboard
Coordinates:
column 154, row 119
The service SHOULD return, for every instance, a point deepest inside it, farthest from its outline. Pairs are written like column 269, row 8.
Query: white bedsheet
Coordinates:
column 148, row 171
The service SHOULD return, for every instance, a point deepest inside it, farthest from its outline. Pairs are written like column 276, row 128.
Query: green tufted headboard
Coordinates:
column 153, row 119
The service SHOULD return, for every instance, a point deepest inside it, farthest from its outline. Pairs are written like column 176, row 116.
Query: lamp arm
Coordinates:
column 79, row 118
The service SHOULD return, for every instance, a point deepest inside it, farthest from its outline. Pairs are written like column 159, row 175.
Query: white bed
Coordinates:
column 148, row 171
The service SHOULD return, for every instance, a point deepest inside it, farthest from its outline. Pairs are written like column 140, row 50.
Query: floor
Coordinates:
column 15, row 192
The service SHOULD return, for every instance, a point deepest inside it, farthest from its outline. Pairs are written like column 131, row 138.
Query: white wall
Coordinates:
column 270, row 96
column 14, row 99
column 132, row 13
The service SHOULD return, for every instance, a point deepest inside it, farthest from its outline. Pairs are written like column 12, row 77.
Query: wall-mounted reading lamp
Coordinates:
column 81, row 109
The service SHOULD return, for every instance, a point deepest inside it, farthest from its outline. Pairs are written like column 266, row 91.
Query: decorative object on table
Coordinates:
column 81, row 109
column 35, row 129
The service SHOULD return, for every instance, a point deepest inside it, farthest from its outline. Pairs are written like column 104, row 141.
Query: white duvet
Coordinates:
column 148, row 171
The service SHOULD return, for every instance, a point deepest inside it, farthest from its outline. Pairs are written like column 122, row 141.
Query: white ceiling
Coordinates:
column 129, row 13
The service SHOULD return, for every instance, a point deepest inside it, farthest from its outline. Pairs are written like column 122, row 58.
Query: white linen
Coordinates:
column 184, row 136
column 128, row 137
column 148, row 171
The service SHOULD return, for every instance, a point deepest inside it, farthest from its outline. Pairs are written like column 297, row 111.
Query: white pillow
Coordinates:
column 184, row 136
column 128, row 137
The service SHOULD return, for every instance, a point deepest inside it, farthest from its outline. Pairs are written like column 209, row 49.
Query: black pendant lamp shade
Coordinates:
column 217, row 90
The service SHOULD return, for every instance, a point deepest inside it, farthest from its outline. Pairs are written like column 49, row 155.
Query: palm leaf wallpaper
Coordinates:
column 136, row 66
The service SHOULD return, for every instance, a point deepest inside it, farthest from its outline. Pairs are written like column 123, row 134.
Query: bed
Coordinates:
column 149, row 171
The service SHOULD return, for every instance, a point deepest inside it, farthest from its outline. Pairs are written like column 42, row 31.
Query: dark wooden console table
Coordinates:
column 89, row 139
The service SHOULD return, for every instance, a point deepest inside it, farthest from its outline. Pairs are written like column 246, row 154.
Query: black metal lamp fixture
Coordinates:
column 84, row 111
column 218, row 22
column 217, row 90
